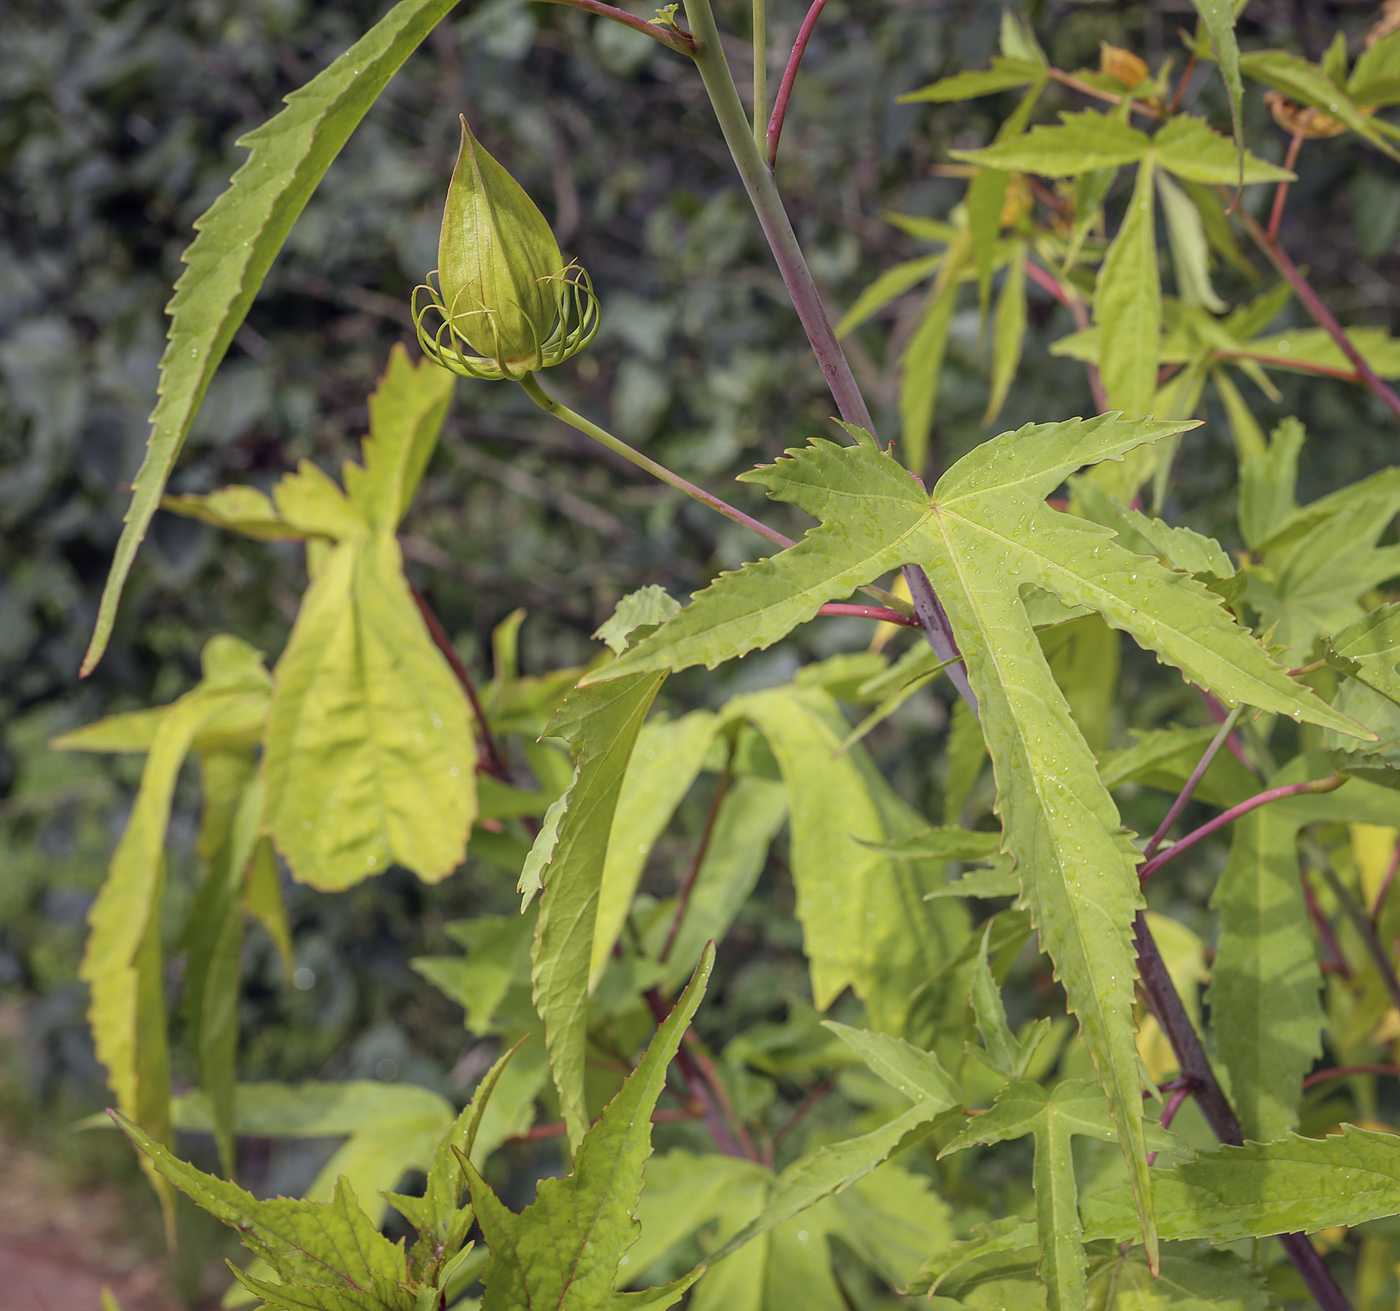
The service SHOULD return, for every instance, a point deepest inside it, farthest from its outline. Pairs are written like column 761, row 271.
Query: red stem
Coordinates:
column 1325, row 318
column 805, row 1106
column 1281, row 191
column 1385, row 885
column 1288, row 362
column 1148, row 868
column 1215, row 1106
column 683, row 900
column 1346, row 1071
column 1185, row 794
column 1324, row 927
column 780, row 106
column 1181, row 86
column 1218, row 713
column 670, row 37
column 880, row 612
column 492, row 760
column 714, row 1107
column 1075, row 305
column 1184, row 1089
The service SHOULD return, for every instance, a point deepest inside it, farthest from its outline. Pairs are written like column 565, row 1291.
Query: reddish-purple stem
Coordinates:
column 1281, row 191
column 1346, row 1071
column 670, row 37
column 1071, row 302
column 1183, row 1089
column 1325, row 318
column 883, row 613
column 492, row 760
column 807, row 1103
column 1218, row 713
column 1324, row 927
column 558, row 1128
column 1215, row 1106
column 698, row 859
column 780, row 106
column 1148, row 868
column 714, row 1103
column 1185, row 794
column 1384, row 891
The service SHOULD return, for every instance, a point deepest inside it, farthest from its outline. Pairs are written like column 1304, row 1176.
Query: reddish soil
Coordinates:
column 58, row 1250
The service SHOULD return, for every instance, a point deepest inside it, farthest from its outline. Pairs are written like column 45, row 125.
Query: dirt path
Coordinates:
column 58, row 1250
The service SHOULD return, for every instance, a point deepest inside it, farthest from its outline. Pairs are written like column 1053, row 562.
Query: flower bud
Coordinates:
column 1122, row 65
column 505, row 301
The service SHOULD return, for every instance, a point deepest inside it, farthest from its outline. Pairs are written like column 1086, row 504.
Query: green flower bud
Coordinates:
column 505, row 303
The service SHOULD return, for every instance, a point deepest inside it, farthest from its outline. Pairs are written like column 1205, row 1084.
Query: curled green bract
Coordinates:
column 502, row 302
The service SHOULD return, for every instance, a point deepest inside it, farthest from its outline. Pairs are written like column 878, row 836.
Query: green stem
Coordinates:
column 772, row 217
column 760, row 72
column 547, row 403
column 615, row 444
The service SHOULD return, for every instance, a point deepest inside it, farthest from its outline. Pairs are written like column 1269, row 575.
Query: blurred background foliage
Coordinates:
column 117, row 129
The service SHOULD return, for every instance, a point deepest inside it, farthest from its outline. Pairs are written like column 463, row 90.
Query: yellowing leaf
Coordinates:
column 1128, row 306
column 370, row 758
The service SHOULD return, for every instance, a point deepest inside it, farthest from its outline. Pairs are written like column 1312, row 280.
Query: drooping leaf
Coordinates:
column 1290, row 1185
column 213, row 935
column 1008, row 332
column 1001, row 1050
column 1369, row 651
column 1317, row 347
column 1128, row 305
column 1186, row 235
column 239, row 237
column 370, row 757
column 1265, row 992
column 864, row 919
column 326, row 1255
column 922, row 362
column 752, row 812
column 601, row 724
column 665, row 762
column 123, row 960
column 565, row 1248
column 984, row 534
column 890, row 285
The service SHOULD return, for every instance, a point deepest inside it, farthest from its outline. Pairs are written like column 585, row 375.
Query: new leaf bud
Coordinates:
column 506, row 302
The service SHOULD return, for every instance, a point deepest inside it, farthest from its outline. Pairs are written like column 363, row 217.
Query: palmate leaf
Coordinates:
column 984, row 534
column 565, row 1248
column 239, row 237
column 1052, row 1118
